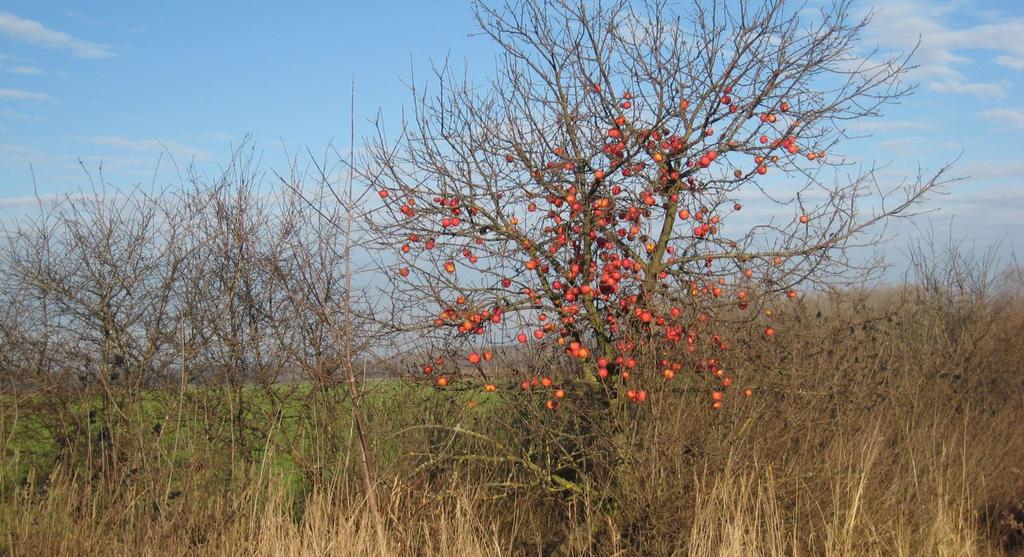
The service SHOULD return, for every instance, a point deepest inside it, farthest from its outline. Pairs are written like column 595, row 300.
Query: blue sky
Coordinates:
column 120, row 83
column 112, row 81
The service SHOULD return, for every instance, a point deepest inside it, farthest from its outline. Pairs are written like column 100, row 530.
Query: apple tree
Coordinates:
column 629, row 177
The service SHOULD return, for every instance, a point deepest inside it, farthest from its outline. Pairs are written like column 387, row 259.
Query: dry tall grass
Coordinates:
column 883, row 423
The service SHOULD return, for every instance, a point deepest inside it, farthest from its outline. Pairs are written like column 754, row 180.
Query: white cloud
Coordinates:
column 20, row 95
column 977, row 205
column 214, row 136
column 882, row 125
column 152, row 146
column 29, row 31
column 11, row 153
column 1014, row 62
column 992, row 89
column 45, row 199
column 902, row 146
column 915, row 146
column 988, row 170
column 1013, row 117
column 944, row 39
column 26, row 70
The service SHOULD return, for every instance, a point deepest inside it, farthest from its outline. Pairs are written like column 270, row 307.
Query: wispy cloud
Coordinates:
column 44, row 199
column 213, row 136
column 33, row 32
column 990, row 89
column 26, row 70
column 881, row 125
column 21, row 95
column 944, row 40
column 902, row 146
column 915, row 146
column 1013, row 117
column 986, row 206
column 152, row 146
column 1013, row 62
column 990, row 169
column 12, row 153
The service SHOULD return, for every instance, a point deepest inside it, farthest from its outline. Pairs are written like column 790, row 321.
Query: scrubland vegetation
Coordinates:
column 616, row 301
column 883, row 420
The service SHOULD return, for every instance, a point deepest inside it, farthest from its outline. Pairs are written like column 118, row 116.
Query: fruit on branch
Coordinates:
column 596, row 221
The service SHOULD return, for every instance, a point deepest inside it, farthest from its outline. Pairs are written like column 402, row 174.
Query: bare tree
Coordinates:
column 92, row 279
